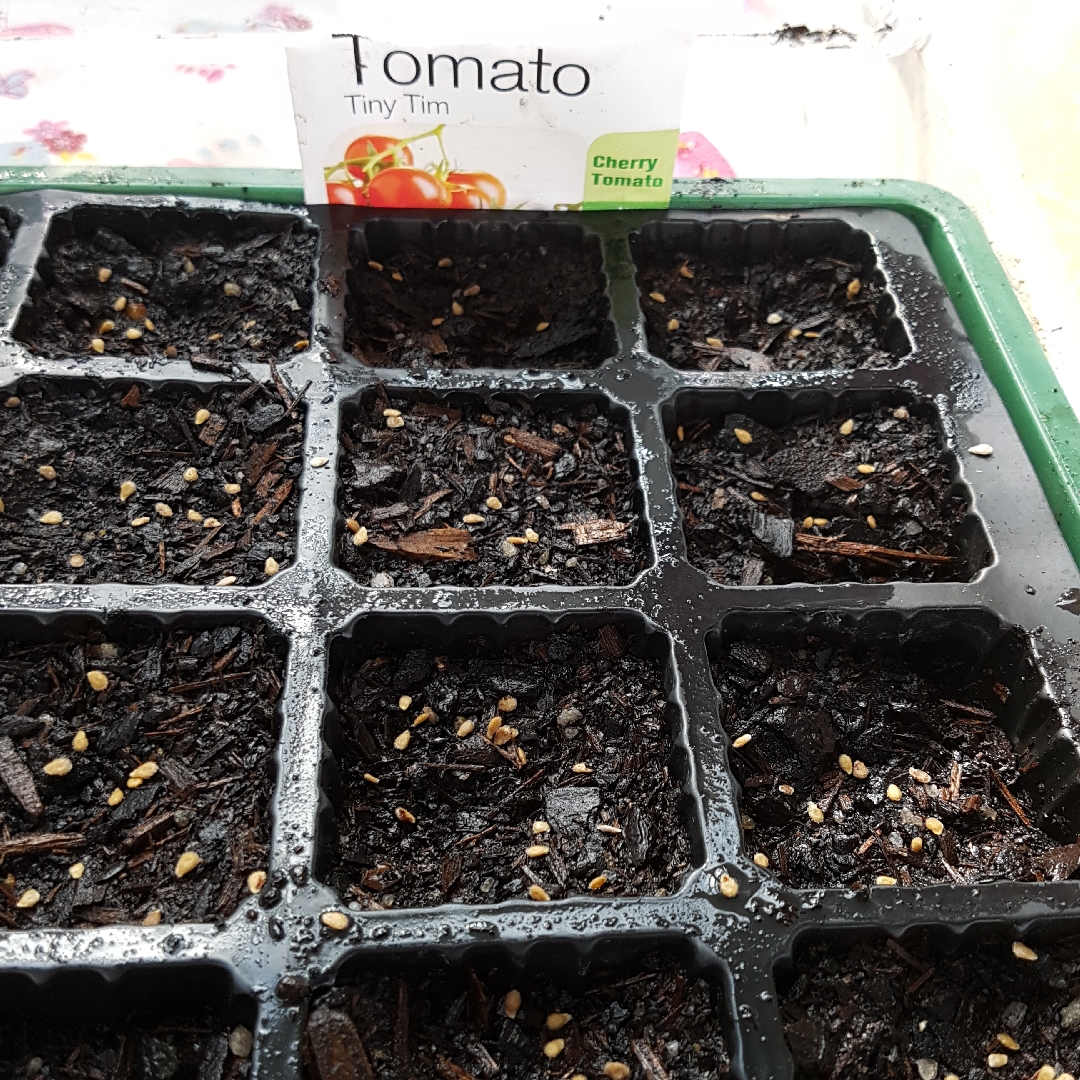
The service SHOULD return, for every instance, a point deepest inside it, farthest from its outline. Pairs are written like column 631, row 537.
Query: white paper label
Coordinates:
column 489, row 127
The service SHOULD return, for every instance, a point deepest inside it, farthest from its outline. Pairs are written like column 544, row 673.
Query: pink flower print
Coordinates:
column 696, row 157
column 212, row 73
column 36, row 30
column 57, row 137
column 279, row 17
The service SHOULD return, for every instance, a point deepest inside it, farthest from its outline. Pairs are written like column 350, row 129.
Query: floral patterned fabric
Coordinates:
column 195, row 83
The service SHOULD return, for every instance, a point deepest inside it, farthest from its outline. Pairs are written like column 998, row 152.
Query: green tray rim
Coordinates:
column 988, row 307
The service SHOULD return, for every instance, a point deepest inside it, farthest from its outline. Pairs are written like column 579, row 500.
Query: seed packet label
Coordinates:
column 532, row 127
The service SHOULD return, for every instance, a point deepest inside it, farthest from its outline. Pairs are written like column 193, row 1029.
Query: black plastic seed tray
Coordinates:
column 1004, row 617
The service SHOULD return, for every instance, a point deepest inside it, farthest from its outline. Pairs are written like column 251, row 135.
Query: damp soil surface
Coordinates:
column 533, row 307
column 462, row 1025
column 959, row 810
column 192, row 1050
column 763, row 506
column 561, row 476
column 883, row 1009
column 453, row 815
column 786, row 315
column 194, row 711
column 216, row 288
column 68, row 449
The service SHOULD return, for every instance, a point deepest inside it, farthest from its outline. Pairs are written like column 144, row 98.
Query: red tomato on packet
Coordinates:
column 476, row 191
column 414, row 189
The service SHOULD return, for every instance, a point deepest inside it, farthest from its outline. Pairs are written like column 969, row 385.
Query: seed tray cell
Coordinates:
column 988, row 1004
column 187, row 1023
column 343, row 621
column 488, row 761
column 140, row 285
column 559, row 468
column 498, row 294
column 126, row 747
column 918, row 749
column 152, row 483
column 766, row 296
column 821, row 487
column 654, row 1009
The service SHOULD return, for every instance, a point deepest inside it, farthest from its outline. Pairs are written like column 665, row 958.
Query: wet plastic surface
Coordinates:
column 276, row 950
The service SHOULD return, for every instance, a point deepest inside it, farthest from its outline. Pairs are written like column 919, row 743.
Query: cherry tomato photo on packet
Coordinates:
column 368, row 146
column 476, row 191
column 344, row 195
column 410, row 188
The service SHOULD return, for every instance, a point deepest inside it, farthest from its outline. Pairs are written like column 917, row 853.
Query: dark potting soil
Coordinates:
column 132, row 1050
column 936, row 743
column 93, row 438
column 200, row 706
column 461, row 1025
column 207, row 288
column 883, row 1009
column 452, row 815
column 561, row 474
column 793, row 505
column 539, row 307
column 785, row 315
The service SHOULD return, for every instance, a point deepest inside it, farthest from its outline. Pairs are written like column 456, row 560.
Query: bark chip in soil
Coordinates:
column 467, row 1024
column 792, row 313
column 147, row 485
column 448, row 800
column 162, row 815
column 161, row 283
column 862, row 497
column 496, row 491
column 534, row 306
column 864, row 769
column 885, row 1009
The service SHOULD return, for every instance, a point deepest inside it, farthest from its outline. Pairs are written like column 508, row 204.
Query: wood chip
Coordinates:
column 429, row 501
column 532, row 444
column 829, row 545
column 845, row 483
column 447, row 543
column 280, row 495
column 651, row 1065
column 335, row 1047
column 971, row 710
column 210, row 430
column 596, row 531
column 1010, row 798
column 17, row 777
column 447, row 1070
column 40, row 843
